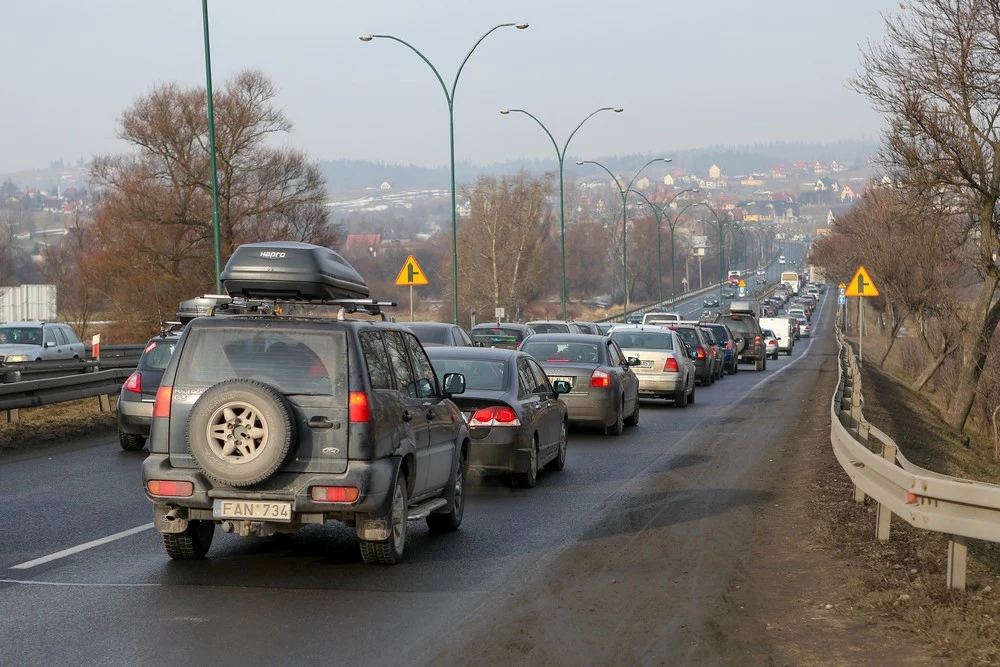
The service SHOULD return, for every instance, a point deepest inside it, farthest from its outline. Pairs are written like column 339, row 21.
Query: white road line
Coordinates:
column 81, row 547
column 29, row 582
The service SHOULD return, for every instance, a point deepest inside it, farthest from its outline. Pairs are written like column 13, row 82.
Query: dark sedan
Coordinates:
column 604, row 391
column 711, row 301
column 439, row 333
column 505, row 335
column 516, row 421
column 135, row 401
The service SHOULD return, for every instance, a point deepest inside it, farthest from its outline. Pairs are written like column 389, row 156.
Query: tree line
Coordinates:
column 931, row 238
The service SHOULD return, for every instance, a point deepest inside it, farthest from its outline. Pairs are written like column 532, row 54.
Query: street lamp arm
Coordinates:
column 657, row 211
column 544, row 129
column 448, row 96
column 468, row 55
column 575, row 129
column 614, row 179
column 655, row 159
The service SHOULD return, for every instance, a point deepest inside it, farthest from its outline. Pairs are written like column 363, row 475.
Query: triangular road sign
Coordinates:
column 861, row 284
column 411, row 273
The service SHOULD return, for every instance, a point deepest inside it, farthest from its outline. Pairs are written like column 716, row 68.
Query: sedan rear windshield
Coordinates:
column 431, row 334
column 643, row 340
column 293, row 361
column 550, row 328
column 497, row 337
column 479, row 374
column 562, row 352
column 156, row 355
column 720, row 332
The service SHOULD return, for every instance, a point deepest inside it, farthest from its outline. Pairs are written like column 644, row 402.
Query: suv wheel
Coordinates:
column 390, row 551
column 559, row 462
column 530, row 478
column 240, row 432
column 131, row 442
column 446, row 523
column 193, row 543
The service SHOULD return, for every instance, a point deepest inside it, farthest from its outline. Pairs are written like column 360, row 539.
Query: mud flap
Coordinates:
column 372, row 528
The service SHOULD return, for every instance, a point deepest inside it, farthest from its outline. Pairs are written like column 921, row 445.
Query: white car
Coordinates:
column 803, row 327
column 37, row 341
column 770, row 344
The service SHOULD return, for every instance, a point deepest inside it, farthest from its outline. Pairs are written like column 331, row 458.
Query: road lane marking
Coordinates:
column 81, row 547
column 29, row 582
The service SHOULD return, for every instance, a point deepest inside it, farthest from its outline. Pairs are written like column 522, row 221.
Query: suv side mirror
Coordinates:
column 560, row 387
column 454, row 383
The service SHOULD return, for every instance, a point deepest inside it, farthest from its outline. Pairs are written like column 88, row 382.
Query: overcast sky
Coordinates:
column 689, row 74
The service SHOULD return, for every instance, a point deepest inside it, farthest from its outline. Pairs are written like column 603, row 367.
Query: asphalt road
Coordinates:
column 84, row 578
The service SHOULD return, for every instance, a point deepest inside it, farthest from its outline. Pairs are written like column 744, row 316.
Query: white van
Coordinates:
column 784, row 331
column 665, row 319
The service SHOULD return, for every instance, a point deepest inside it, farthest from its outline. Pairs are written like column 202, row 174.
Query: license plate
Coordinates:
column 646, row 364
column 260, row 510
column 567, row 380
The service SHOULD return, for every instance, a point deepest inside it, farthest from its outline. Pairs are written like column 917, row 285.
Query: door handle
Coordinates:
column 322, row 422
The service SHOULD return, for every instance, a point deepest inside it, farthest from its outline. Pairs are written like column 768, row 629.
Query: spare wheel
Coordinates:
column 240, row 432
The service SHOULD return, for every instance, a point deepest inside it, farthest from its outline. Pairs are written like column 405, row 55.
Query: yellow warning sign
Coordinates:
column 841, row 286
column 861, row 284
column 742, row 283
column 411, row 273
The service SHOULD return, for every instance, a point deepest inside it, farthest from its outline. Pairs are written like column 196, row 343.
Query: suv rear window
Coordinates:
column 293, row 360
column 720, row 332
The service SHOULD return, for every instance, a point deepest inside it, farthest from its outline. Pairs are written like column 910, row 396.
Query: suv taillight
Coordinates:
column 358, row 409
column 671, row 366
column 161, row 406
column 170, row 488
column 600, row 379
column 133, row 383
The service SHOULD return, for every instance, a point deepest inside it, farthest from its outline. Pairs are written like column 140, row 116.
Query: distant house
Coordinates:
column 825, row 184
column 781, row 196
column 836, row 167
column 385, row 186
column 802, row 167
column 758, row 212
column 819, row 168
column 464, row 209
column 848, row 194
column 668, row 179
column 700, row 247
column 642, row 183
column 753, row 180
column 777, row 172
column 714, row 172
column 785, row 211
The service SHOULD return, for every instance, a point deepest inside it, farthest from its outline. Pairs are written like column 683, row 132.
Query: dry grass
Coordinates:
column 901, row 582
column 56, row 424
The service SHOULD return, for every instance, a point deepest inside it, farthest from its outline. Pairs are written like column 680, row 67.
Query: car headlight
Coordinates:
column 15, row 358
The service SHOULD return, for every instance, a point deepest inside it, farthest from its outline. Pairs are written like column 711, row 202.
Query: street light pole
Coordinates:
column 211, row 152
column 660, row 213
column 722, row 247
column 450, row 97
column 561, row 154
column 624, row 193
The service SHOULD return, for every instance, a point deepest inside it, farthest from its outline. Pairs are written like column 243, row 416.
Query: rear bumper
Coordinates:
column 374, row 479
column 134, row 416
column 658, row 385
column 595, row 407
column 503, row 450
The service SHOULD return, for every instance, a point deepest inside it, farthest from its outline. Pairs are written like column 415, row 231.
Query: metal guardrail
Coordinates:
column 621, row 317
column 960, row 508
column 33, row 393
column 112, row 357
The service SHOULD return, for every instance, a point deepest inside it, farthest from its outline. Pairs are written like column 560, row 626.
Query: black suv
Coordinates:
column 749, row 339
column 271, row 416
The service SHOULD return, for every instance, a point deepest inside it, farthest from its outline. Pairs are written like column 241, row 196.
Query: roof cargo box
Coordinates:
column 291, row 270
column 752, row 307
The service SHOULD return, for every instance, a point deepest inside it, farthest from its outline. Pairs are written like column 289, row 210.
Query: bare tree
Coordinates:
column 934, row 77
column 503, row 242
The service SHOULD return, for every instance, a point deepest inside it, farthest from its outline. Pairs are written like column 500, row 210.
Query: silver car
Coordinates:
column 37, row 341
column 665, row 368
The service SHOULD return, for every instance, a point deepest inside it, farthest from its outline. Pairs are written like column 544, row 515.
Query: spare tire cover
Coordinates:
column 240, row 432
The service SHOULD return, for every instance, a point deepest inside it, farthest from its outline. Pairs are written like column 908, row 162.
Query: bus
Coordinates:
column 790, row 278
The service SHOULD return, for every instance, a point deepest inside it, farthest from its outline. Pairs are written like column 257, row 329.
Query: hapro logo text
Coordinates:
column 272, row 254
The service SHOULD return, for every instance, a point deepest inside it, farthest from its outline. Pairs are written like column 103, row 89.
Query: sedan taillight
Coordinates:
column 671, row 366
column 600, row 379
column 498, row 415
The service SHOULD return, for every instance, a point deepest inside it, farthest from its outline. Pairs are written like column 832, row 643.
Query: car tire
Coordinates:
column 681, row 398
column 633, row 419
column 690, row 395
column 619, row 425
column 529, row 478
column 390, row 551
column 760, row 364
column 131, row 442
column 239, row 419
column 559, row 462
column 450, row 521
column 193, row 543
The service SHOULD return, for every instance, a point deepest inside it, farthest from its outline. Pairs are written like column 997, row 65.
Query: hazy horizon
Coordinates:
column 688, row 76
